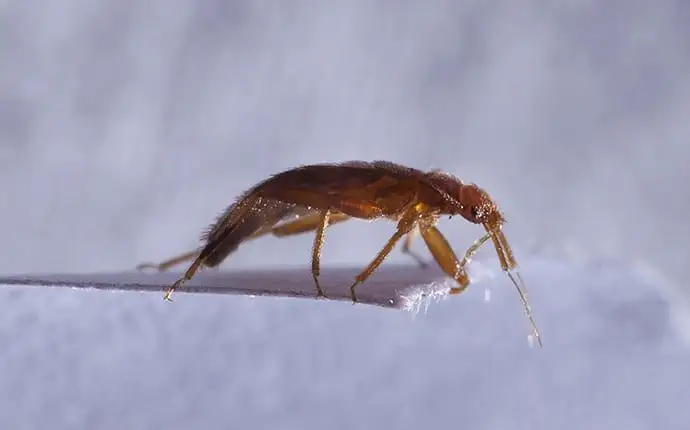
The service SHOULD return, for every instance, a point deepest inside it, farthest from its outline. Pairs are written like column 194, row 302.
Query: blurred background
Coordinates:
column 126, row 127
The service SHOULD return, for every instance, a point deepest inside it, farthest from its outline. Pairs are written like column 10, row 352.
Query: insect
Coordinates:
column 321, row 195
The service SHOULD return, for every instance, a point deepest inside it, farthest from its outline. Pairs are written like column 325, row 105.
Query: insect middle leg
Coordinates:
column 406, row 224
column 311, row 222
column 316, row 250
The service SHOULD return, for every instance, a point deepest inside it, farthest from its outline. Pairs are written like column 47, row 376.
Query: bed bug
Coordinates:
column 321, row 195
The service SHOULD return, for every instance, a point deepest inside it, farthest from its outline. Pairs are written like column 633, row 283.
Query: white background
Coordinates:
column 125, row 127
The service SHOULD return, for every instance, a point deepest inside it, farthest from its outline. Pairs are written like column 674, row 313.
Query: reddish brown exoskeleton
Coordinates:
column 324, row 194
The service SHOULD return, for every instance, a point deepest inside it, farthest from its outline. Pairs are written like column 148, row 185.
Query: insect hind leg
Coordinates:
column 191, row 271
column 306, row 223
column 302, row 225
column 171, row 262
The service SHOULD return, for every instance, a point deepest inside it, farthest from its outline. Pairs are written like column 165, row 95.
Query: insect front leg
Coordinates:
column 474, row 248
column 445, row 257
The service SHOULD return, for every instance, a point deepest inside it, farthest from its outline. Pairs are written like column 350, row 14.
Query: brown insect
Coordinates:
column 324, row 194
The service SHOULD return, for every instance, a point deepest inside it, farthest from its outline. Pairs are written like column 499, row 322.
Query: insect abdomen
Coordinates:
column 238, row 223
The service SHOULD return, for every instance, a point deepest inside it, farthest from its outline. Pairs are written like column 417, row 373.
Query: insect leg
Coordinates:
column 404, row 227
column 474, row 248
column 407, row 249
column 306, row 223
column 303, row 224
column 445, row 257
column 174, row 261
column 316, row 250
column 191, row 271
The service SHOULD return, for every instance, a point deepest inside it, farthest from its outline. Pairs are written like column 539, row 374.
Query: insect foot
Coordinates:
column 169, row 292
column 353, row 296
